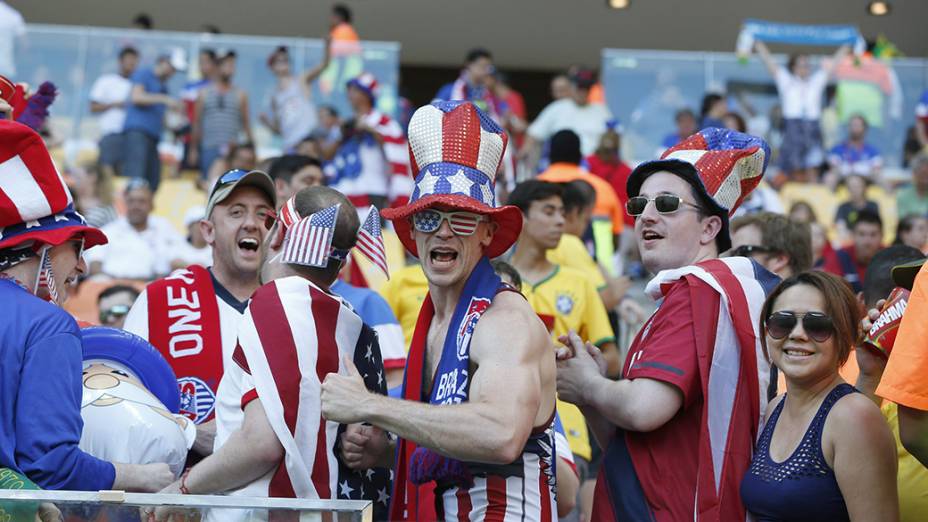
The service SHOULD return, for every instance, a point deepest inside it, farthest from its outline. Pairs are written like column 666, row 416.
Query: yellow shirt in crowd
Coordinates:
column 570, row 298
column 405, row 292
column 572, row 253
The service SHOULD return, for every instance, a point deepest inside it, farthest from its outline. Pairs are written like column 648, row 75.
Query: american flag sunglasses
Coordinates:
column 461, row 223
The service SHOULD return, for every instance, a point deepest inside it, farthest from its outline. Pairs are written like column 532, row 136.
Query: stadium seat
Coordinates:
column 887, row 203
column 175, row 196
column 822, row 200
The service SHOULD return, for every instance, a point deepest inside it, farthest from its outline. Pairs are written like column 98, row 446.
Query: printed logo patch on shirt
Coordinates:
column 478, row 305
column 564, row 304
column 197, row 400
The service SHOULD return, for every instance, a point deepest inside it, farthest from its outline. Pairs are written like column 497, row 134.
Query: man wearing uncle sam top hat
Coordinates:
column 42, row 239
column 693, row 395
column 478, row 435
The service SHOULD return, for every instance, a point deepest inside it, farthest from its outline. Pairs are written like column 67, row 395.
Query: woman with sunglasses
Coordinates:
column 825, row 452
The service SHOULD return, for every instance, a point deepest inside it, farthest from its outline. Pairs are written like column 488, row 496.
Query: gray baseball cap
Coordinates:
column 233, row 179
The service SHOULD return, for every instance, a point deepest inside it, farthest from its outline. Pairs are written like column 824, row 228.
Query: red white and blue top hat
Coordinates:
column 35, row 204
column 455, row 150
column 723, row 165
column 367, row 82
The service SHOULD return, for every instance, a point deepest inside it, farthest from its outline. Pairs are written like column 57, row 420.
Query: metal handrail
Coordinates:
column 360, row 510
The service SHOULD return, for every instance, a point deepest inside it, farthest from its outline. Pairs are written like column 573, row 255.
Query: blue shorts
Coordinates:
column 802, row 145
column 113, row 150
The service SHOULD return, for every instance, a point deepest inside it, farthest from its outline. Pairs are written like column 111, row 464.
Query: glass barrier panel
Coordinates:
column 644, row 89
column 73, row 58
column 117, row 506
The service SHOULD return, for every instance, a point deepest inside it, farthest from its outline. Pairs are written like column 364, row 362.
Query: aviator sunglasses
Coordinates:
column 461, row 223
column 665, row 204
column 817, row 325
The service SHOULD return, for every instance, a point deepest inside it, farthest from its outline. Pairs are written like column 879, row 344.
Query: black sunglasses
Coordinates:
column 817, row 325
column 747, row 250
column 665, row 204
column 113, row 312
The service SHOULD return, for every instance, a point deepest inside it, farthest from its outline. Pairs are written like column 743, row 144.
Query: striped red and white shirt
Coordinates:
column 293, row 334
column 523, row 491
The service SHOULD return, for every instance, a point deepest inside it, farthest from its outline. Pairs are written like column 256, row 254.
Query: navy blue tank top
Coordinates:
column 801, row 488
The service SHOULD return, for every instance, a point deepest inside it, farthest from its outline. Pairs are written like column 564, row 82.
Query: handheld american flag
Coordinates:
column 370, row 240
column 309, row 241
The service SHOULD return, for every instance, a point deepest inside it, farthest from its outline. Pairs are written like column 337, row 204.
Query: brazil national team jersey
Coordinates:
column 569, row 297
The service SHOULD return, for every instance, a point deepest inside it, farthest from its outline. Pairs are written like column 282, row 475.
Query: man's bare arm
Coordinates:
column 206, row 435
column 766, row 58
column 632, row 404
column 839, row 56
column 635, row 404
column 96, row 107
column 311, row 75
column 505, row 396
column 140, row 96
column 250, row 452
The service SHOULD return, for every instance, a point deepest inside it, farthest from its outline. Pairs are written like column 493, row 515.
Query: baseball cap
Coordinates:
column 222, row 54
column 177, row 58
column 904, row 275
column 583, row 78
column 194, row 214
column 231, row 180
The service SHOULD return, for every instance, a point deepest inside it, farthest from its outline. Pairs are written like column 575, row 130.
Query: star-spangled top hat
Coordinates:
column 367, row 82
column 455, row 150
column 723, row 165
column 35, row 203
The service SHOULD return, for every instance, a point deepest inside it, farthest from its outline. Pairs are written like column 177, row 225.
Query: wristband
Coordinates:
column 183, row 483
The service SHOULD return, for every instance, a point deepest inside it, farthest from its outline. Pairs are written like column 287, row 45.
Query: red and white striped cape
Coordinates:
column 726, row 445
column 293, row 334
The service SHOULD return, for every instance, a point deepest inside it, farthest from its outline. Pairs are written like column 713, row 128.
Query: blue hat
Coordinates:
column 135, row 353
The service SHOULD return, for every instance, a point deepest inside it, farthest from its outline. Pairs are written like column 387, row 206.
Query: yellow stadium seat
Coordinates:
column 822, row 200
column 175, row 196
column 887, row 203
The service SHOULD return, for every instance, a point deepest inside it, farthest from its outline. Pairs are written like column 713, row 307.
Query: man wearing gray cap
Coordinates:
column 192, row 316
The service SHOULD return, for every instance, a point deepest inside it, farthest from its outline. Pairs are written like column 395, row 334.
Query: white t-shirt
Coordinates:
column 295, row 112
column 192, row 255
column 587, row 121
column 111, row 88
column 229, row 418
column 131, row 254
column 231, row 313
column 12, row 26
column 801, row 99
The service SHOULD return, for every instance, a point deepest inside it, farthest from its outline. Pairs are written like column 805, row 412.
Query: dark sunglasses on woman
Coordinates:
column 818, row 326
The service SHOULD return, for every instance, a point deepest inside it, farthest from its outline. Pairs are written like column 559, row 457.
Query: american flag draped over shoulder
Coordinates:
column 370, row 241
column 292, row 336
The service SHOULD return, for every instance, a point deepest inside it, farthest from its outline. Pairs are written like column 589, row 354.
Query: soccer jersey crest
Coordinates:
column 478, row 306
column 197, row 400
column 564, row 304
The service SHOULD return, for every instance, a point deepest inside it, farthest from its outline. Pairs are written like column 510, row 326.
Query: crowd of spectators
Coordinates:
column 819, row 211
